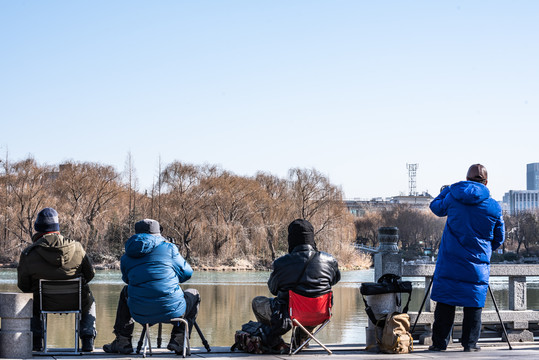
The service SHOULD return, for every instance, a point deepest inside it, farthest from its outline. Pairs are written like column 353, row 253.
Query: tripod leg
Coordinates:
column 204, row 342
column 422, row 304
column 141, row 339
column 159, row 335
column 500, row 317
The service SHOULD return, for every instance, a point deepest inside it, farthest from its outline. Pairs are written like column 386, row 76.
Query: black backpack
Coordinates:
column 387, row 284
column 255, row 338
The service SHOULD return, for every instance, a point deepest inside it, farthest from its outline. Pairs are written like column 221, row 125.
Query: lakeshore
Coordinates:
column 222, row 268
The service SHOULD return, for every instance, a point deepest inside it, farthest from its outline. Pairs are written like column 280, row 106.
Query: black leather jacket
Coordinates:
column 321, row 273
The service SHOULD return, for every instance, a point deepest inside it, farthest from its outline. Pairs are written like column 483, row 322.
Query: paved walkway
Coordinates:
column 340, row 352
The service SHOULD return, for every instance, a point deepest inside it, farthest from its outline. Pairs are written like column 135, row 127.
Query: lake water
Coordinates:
column 226, row 305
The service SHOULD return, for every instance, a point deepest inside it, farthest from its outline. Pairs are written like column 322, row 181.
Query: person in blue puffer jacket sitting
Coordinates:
column 474, row 228
column 153, row 269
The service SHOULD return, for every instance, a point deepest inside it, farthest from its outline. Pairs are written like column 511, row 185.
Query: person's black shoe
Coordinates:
column 87, row 344
column 299, row 338
column 472, row 348
column 120, row 345
column 176, row 344
column 435, row 348
column 280, row 348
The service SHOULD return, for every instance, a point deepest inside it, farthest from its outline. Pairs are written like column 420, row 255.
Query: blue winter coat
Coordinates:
column 153, row 269
column 474, row 228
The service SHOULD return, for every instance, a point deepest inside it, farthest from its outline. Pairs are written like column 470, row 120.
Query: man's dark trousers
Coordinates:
column 124, row 324
column 444, row 317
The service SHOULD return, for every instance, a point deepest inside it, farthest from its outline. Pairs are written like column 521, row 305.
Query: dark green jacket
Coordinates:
column 54, row 257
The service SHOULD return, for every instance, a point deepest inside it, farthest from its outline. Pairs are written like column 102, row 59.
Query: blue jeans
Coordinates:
column 444, row 317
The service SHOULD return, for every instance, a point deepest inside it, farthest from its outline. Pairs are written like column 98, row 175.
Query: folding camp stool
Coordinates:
column 306, row 311
column 60, row 297
column 145, row 336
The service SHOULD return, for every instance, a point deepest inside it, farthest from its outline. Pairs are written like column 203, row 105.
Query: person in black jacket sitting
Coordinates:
column 305, row 270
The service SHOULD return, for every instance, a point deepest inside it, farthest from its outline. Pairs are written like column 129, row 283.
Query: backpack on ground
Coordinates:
column 249, row 338
column 254, row 338
column 396, row 337
column 395, row 328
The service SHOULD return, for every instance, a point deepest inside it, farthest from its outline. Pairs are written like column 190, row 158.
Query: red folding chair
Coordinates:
column 312, row 312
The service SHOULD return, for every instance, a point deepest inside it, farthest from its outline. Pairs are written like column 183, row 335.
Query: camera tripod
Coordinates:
column 160, row 338
column 493, row 300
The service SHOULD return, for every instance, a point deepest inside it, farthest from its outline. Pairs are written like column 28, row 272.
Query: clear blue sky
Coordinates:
column 355, row 89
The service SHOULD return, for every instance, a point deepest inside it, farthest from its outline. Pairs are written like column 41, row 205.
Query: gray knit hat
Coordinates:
column 47, row 221
column 147, row 226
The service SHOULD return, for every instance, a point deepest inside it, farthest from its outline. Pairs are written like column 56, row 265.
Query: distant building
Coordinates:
column 53, row 175
column 516, row 201
column 359, row 207
column 532, row 176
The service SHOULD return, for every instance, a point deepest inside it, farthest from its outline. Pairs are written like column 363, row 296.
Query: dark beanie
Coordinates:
column 300, row 232
column 147, row 226
column 47, row 221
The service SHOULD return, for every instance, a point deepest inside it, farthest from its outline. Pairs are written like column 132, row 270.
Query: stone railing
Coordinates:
column 517, row 318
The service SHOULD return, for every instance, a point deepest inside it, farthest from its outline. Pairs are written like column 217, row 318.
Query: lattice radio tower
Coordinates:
column 412, row 169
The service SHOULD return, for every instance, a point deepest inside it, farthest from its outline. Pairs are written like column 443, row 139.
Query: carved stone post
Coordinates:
column 517, row 293
column 15, row 334
column 518, row 330
column 387, row 259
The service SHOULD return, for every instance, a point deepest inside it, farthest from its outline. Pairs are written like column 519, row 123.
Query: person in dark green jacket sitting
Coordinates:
column 53, row 257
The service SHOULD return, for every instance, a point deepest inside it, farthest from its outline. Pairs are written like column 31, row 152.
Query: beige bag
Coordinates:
column 396, row 337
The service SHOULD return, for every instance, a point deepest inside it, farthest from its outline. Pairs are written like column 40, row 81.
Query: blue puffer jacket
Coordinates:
column 153, row 269
column 474, row 228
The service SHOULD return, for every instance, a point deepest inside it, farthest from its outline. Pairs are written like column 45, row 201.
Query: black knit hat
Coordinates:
column 47, row 221
column 147, row 226
column 300, row 232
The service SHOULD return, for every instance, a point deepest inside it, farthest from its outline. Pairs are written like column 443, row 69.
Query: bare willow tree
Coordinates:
column 417, row 227
column 317, row 200
column 87, row 192
column 228, row 208
column 28, row 188
column 5, row 206
column 183, row 201
column 367, row 228
column 130, row 175
column 274, row 208
column 524, row 229
column 218, row 217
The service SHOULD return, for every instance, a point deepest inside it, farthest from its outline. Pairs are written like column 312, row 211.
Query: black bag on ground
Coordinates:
column 249, row 338
column 395, row 328
column 387, row 284
column 254, row 338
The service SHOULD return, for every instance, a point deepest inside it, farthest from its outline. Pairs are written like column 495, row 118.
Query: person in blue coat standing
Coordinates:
column 153, row 269
column 474, row 228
